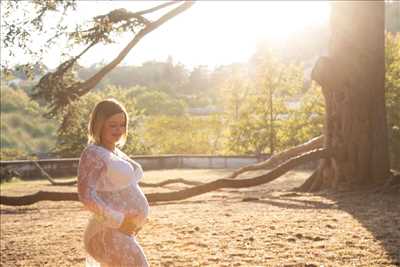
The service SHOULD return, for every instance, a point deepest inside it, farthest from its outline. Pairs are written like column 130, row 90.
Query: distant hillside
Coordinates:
column 24, row 132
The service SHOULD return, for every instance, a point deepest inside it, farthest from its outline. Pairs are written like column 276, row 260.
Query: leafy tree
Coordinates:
column 154, row 102
column 61, row 87
column 234, row 89
column 392, row 89
column 263, row 112
column 304, row 120
column 198, row 80
column 24, row 132
column 183, row 134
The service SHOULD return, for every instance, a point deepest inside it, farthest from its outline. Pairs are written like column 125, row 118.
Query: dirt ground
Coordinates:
column 259, row 226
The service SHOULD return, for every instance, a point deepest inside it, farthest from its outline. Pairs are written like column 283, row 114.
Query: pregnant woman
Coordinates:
column 108, row 187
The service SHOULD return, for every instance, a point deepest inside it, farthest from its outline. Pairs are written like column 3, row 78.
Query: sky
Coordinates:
column 210, row 33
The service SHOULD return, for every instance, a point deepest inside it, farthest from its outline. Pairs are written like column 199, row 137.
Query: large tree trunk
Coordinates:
column 352, row 79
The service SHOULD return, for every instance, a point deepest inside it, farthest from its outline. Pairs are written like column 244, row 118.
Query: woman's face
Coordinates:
column 113, row 129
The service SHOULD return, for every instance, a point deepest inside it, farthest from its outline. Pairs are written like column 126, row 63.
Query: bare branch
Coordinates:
column 170, row 181
column 277, row 159
column 156, row 8
column 60, row 92
column 51, row 179
column 86, row 86
column 185, row 193
column 241, row 183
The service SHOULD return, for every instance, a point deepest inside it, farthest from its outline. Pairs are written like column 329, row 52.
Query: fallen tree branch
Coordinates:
column 171, row 181
column 38, row 196
column 241, row 183
column 51, row 179
column 277, row 159
column 142, row 184
column 185, row 193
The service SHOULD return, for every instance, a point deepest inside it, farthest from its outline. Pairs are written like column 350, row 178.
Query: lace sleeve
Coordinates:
column 91, row 167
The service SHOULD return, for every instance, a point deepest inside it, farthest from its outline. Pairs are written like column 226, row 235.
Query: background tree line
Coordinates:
column 262, row 106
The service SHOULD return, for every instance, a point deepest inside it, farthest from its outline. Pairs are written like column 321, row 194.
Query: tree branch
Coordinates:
column 277, row 159
column 168, row 182
column 50, row 179
column 60, row 91
column 185, row 193
column 142, row 184
column 86, row 86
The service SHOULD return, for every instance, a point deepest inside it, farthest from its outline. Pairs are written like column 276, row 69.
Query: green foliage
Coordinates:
column 169, row 77
column 262, row 120
column 24, row 20
column 392, row 89
column 234, row 88
column 183, row 134
column 72, row 135
column 171, row 81
column 13, row 100
column 304, row 121
column 154, row 102
column 250, row 133
column 24, row 132
column 265, row 105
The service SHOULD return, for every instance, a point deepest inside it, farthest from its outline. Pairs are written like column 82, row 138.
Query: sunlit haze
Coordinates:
column 210, row 33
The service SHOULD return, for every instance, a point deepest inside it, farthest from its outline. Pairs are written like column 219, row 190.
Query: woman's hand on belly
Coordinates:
column 129, row 226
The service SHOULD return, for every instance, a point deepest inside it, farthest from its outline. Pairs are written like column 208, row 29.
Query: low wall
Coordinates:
column 68, row 167
column 195, row 162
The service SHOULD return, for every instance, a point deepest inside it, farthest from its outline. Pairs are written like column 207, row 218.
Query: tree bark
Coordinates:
column 352, row 79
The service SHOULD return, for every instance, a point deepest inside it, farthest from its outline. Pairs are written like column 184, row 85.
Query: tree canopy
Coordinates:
column 61, row 87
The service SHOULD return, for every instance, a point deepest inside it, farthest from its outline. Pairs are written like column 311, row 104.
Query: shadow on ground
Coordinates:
column 378, row 213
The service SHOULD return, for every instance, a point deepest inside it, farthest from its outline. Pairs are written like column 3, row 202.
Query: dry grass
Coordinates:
column 218, row 228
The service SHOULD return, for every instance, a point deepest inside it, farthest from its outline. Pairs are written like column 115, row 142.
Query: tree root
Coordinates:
column 308, row 184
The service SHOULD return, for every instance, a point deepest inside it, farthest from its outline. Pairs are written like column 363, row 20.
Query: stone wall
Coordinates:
column 68, row 167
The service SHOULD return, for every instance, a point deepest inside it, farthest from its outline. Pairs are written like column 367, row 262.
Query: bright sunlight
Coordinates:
column 215, row 33
column 211, row 33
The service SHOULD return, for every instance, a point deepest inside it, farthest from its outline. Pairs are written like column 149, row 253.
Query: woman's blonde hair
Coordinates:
column 101, row 112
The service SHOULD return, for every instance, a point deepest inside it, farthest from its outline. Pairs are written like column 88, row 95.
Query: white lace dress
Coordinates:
column 108, row 187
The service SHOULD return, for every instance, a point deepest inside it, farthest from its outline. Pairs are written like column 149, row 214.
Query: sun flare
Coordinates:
column 210, row 33
column 221, row 32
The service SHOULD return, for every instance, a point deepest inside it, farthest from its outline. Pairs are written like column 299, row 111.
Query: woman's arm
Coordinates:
column 91, row 168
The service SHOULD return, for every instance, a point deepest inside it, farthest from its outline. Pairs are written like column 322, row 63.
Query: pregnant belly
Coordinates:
column 129, row 200
column 137, row 202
